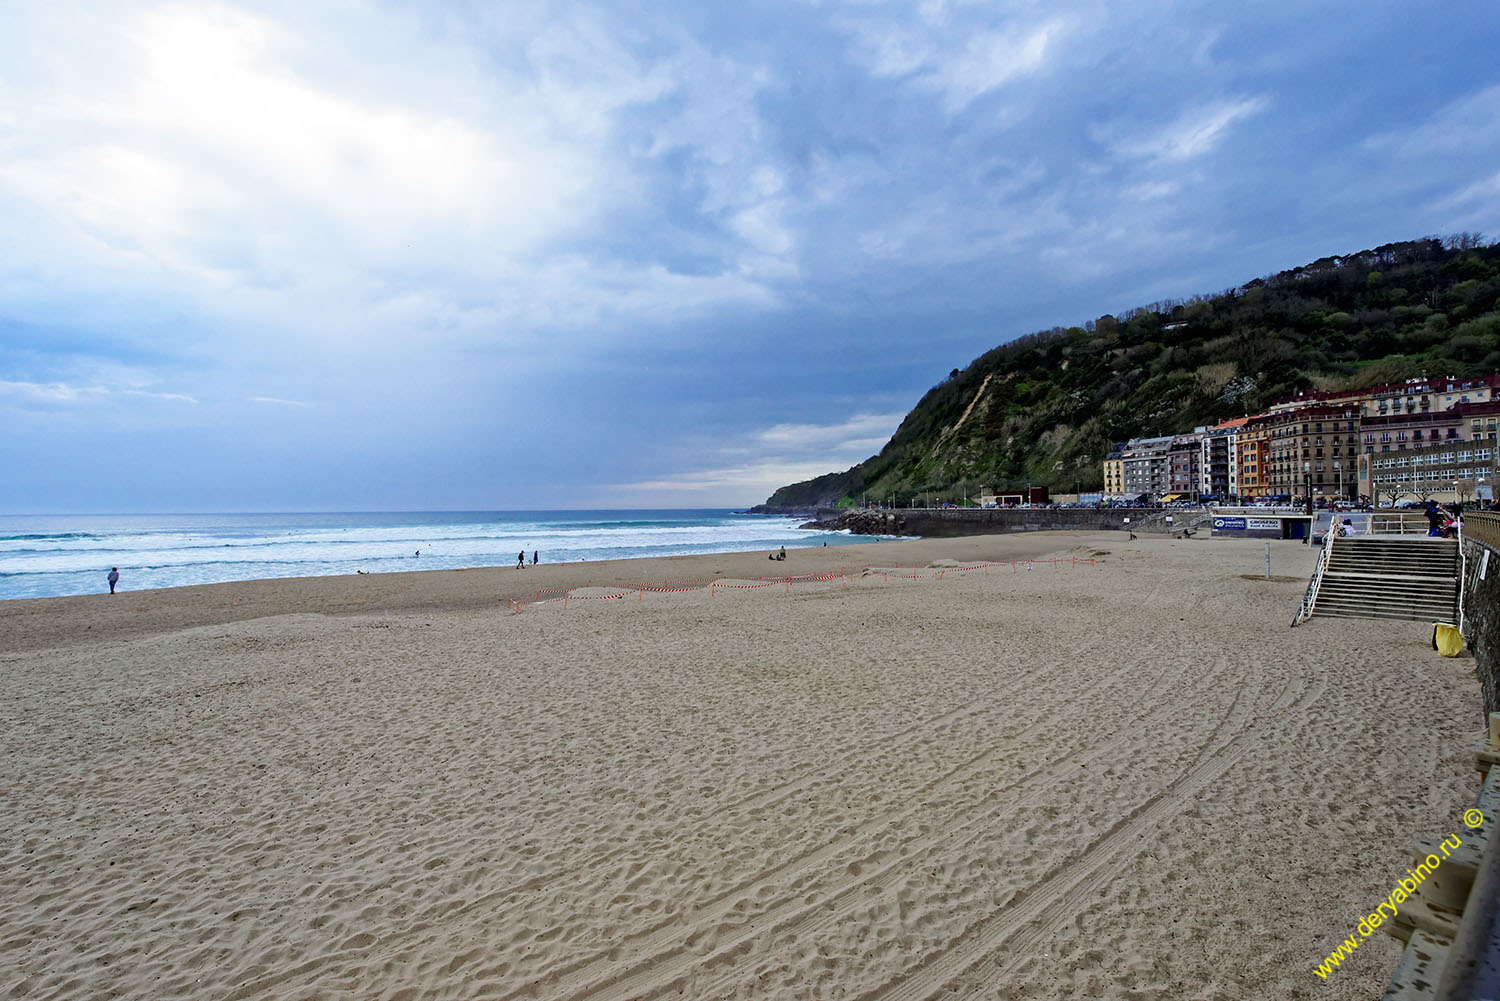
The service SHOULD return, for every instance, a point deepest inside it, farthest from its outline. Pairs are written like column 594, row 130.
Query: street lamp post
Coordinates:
column 1307, row 494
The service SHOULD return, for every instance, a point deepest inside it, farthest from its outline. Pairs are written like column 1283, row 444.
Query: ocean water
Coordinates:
column 42, row 556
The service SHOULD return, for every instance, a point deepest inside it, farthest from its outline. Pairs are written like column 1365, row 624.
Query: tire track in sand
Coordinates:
column 667, row 951
column 1056, row 897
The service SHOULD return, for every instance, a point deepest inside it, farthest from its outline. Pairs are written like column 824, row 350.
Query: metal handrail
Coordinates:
column 1398, row 523
column 1483, row 527
column 1310, row 599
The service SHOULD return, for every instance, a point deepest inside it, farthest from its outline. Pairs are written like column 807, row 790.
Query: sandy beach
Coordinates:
column 1124, row 780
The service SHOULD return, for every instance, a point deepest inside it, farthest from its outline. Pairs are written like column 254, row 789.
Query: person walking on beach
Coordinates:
column 521, row 560
column 113, row 578
column 536, row 557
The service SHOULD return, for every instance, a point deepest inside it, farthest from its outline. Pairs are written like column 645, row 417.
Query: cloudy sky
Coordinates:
column 355, row 255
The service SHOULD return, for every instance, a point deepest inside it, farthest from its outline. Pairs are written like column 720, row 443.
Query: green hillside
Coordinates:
column 1045, row 407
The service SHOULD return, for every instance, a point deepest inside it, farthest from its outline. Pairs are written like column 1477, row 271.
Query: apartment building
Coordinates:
column 1218, row 464
column 1314, row 447
column 1183, row 456
column 1144, row 466
column 1252, row 459
column 1114, row 472
column 1400, row 431
column 1416, row 396
column 1456, row 470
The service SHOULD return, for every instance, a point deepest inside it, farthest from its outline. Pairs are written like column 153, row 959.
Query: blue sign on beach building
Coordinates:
column 1251, row 527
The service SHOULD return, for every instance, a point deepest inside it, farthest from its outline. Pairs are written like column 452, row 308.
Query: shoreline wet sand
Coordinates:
column 1130, row 780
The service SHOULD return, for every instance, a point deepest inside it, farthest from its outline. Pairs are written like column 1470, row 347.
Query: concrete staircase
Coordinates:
column 1385, row 577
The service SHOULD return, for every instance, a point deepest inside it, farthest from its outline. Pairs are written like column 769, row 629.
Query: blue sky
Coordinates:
column 364, row 256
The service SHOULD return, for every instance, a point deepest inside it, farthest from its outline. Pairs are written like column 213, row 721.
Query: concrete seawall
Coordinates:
column 947, row 522
column 1481, row 597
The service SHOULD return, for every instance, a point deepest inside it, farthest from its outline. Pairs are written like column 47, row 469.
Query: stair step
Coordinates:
column 1413, row 579
column 1339, row 613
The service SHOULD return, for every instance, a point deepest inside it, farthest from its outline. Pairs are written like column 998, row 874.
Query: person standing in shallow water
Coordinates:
column 113, row 578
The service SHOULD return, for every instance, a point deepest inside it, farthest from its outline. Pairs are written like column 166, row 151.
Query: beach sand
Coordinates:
column 1130, row 780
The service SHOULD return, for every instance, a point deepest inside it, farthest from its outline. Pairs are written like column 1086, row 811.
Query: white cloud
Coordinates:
column 277, row 401
column 197, row 157
column 1468, row 125
column 1193, row 133
column 213, row 129
column 48, row 392
column 960, row 62
column 759, row 479
column 990, row 60
column 852, row 434
column 179, row 397
column 62, row 393
column 773, row 457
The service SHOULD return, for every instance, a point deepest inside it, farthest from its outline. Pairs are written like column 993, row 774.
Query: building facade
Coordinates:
column 1114, row 472
column 1252, row 447
column 1144, row 466
column 1416, row 396
column 1314, row 448
column 1183, row 456
column 1316, row 441
column 1218, row 463
column 1446, row 472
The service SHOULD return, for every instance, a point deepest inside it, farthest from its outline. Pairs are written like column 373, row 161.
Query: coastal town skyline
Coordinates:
column 1418, row 439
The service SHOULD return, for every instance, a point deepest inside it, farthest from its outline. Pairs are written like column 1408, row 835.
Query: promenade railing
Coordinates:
column 1398, row 523
column 1483, row 527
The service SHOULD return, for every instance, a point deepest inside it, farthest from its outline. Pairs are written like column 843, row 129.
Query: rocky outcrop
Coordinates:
column 862, row 521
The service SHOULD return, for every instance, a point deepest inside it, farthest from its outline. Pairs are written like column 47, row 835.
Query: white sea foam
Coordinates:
column 42, row 556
